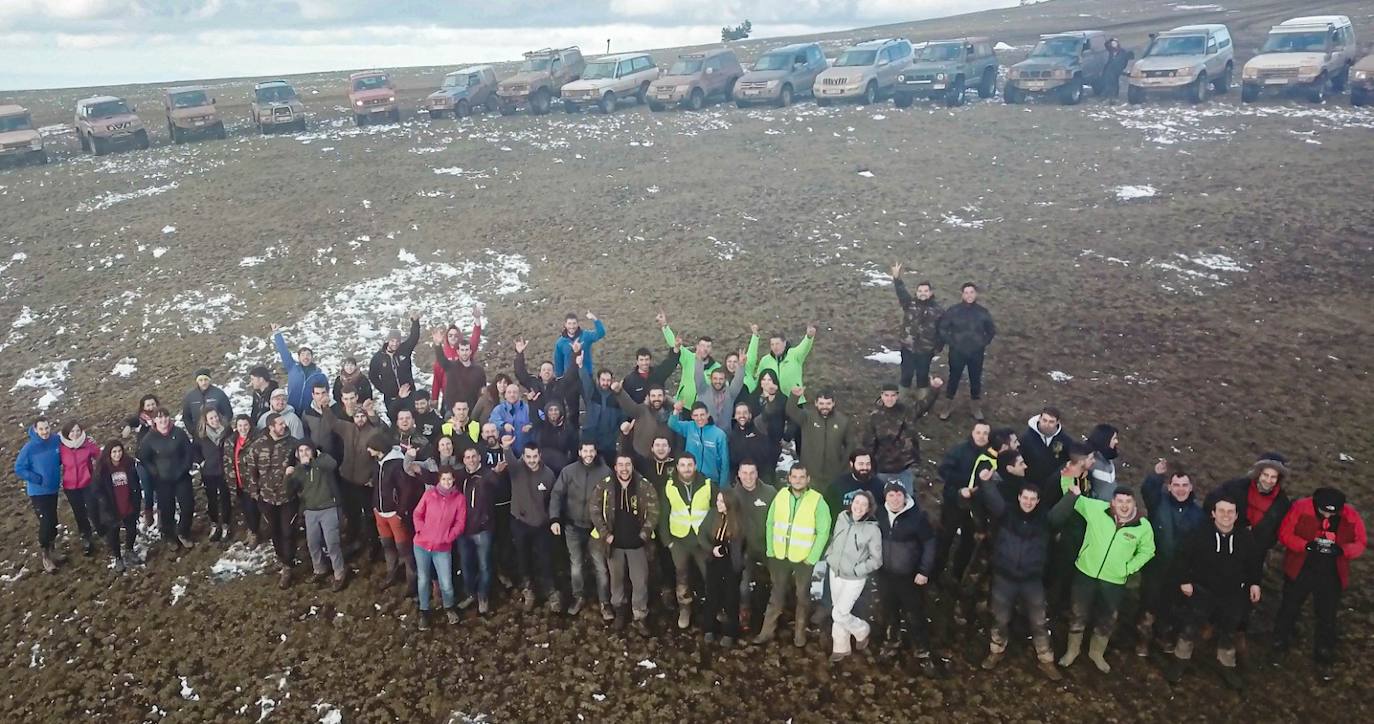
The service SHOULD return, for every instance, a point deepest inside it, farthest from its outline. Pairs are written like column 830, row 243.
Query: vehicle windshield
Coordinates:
column 456, row 81
column 686, row 66
column 599, row 70
column 190, row 99
column 20, row 122
column 370, row 82
column 275, row 94
column 1177, row 45
column 1314, row 42
column 774, row 61
column 1057, row 48
column 106, row 109
column 941, row 52
column 851, row 58
column 534, row 65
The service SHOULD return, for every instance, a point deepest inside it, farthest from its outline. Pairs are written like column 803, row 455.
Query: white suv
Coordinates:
column 1195, row 59
column 866, row 72
column 1311, row 55
column 610, row 79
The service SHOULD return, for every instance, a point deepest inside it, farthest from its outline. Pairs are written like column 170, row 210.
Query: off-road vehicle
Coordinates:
column 1310, row 55
column 540, row 79
column 107, row 122
column 695, row 78
column 865, row 72
column 276, row 105
column 610, row 79
column 19, row 142
column 945, row 69
column 1062, row 64
column 190, row 111
column 372, row 96
column 1197, row 60
column 464, row 91
column 1362, row 82
column 781, row 75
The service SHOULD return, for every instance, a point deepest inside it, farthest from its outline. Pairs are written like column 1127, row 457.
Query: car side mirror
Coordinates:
column 133, row 109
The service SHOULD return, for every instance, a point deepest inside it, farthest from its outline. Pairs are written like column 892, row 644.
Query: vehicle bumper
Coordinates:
column 1039, row 85
column 280, row 120
column 377, row 110
column 441, row 106
column 840, row 92
column 758, row 95
column 198, row 126
column 669, row 94
column 1161, row 84
column 513, row 99
column 1279, row 85
column 581, row 97
column 20, row 154
column 121, row 140
column 922, row 89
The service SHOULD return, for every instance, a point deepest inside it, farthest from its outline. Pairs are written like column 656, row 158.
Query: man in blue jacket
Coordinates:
column 301, row 371
column 706, row 442
column 563, row 352
column 40, row 467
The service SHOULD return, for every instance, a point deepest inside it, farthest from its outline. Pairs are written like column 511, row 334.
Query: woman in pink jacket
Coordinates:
column 79, row 453
column 439, row 520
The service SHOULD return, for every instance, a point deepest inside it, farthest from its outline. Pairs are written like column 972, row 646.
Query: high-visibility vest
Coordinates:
column 685, row 519
column 794, row 524
column 988, row 457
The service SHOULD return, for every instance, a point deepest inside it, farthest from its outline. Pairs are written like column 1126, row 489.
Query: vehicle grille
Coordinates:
column 1278, row 73
column 754, row 85
column 281, row 112
column 517, row 88
column 1159, row 74
column 1036, row 74
column 922, row 78
column 835, row 81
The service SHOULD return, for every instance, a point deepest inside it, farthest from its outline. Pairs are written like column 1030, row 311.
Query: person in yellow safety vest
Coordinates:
column 688, row 495
column 799, row 523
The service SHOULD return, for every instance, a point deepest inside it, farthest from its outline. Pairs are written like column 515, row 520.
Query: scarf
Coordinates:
column 75, row 442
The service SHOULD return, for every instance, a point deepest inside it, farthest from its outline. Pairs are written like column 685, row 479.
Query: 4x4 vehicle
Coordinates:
column 780, row 75
column 372, row 96
column 19, row 142
column 945, row 69
column 190, row 111
column 1195, row 59
column 462, row 91
column 1310, row 54
column 695, row 78
column 276, row 105
column 540, row 79
column 105, row 122
column 610, row 79
column 1362, row 82
column 1061, row 63
column 866, row 71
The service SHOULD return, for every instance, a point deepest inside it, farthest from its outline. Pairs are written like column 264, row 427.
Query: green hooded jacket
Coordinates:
column 1110, row 552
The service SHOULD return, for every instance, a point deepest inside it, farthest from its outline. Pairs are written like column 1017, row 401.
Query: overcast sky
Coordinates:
column 65, row 43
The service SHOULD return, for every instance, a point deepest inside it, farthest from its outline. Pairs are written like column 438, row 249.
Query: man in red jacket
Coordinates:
column 1320, row 536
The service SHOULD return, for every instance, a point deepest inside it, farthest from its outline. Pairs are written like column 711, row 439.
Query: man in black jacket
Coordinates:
column 968, row 330
column 908, row 564
column 166, row 455
column 956, row 470
column 546, row 389
column 1019, row 554
column 647, row 375
column 747, row 442
column 201, row 396
column 391, row 372
column 261, row 383
column 1045, row 446
column 1118, row 58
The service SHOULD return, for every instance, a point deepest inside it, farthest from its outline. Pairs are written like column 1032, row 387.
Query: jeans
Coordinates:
column 279, row 523
column 251, row 514
column 1006, row 593
column 958, row 362
column 722, row 596
column 441, row 563
column 916, row 364
column 1094, row 601
column 844, row 593
column 76, row 498
column 217, row 500
column 630, row 566
column 322, row 536
column 45, row 507
column 905, row 478
column 1325, row 589
column 173, row 497
column 579, row 541
column 533, row 555
column 903, row 600
column 475, row 552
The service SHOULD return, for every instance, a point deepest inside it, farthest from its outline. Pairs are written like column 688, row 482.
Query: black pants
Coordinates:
column 954, row 522
column 722, row 594
column 904, row 601
column 502, row 543
column 130, row 526
column 176, row 507
column 217, row 500
column 1224, row 611
column 1325, row 589
column 279, row 519
column 1095, row 602
column 958, row 362
column 45, row 507
column 249, row 508
column 534, row 555
column 357, row 510
column 1111, row 85
column 916, row 364
column 76, row 498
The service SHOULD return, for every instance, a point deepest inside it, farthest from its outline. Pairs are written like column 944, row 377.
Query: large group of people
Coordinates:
column 571, row 487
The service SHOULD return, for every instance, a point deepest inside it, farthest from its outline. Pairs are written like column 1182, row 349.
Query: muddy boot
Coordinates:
column 147, row 519
column 992, row 660
column 87, row 545
column 578, row 604
column 770, row 625
column 607, row 613
column 422, row 621
column 131, row 556
column 252, row 540
column 1097, row 649
column 555, row 603
column 340, row 582
column 451, row 615
column 1074, row 648
column 391, row 569
column 1174, row 669
column 799, row 634
column 319, row 578
column 944, row 408
column 641, row 624
column 284, row 580
column 621, row 620
column 527, row 599
column 49, row 565
column 1242, row 646
column 118, row 564
column 186, row 542
column 976, row 409
column 684, row 615
column 483, row 606
column 57, row 555
column 466, row 603
column 925, row 663
column 1229, row 673
column 1050, row 671
column 1143, row 629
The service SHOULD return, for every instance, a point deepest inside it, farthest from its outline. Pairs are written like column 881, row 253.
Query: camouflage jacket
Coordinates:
column 891, row 436
column 920, row 321
column 267, row 463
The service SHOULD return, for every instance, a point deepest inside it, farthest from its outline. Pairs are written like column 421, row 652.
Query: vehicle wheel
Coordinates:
column 570, row 107
column 396, row 115
column 219, row 131
column 42, row 158
column 141, row 140
column 608, row 103
column 696, row 101
column 175, row 133
column 1072, row 92
column 85, row 144
column 785, row 96
column 1358, row 98
column 741, row 104
column 642, row 95
column 1317, row 93
column 461, row 110
column 507, row 110
column 870, row 93
column 956, row 94
column 97, row 146
column 656, row 107
column 359, row 120
column 1222, row 85
column 1197, row 93
column 1249, row 93
column 540, row 103
column 823, row 102
column 987, row 87
column 1135, row 95
column 1010, row 94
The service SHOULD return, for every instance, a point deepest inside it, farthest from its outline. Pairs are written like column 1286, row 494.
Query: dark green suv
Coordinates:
column 946, row 69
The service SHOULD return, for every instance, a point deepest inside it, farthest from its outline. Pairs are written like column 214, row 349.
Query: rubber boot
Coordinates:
column 1097, row 649
column 770, row 625
column 1143, row 631
column 118, row 563
column 976, row 409
column 1229, row 673
column 993, row 658
column 799, row 634
column 49, row 565
column 1073, row 649
column 944, row 408
column 422, row 621
column 389, row 572
column 684, row 614
column 87, row 545
column 412, row 589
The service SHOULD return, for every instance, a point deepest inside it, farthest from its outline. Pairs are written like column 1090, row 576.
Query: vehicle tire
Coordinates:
column 1135, row 95
column 97, row 146
column 85, row 143
column 175, row 133
column 461, row 110
column 219, row 131
column 141, row 140
column 902, row 100
column 359, row 120
column 656, row 107
column 396, row 116
column 741, row 104
column 1249, row 93
column 1358, row 98
column 1222, row 85
column 1010, row 94
column 1197, row 92
column 607, row 105
column 870, row 93
column 42, row 158
column 1072, row 92
column 785, row 96
column 823, row 102
column 987, row 86
column 955, row 96
column 642, row 95
column 1317, row 93
column 570, row 107
column 507, row 110
column 696, row 100
column 540, row 102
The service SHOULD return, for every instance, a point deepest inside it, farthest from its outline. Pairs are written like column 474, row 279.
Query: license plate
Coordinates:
column 1275, row 81
column 831, row 91
column 1035, row 85
column 938, row 86
column 200, row 123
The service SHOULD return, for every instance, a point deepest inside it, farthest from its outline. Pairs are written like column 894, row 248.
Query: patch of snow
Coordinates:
column 178, row 589
column 169, row 229
column 158, row 251
column 1215, row 262
column 329, row 714
column 407, row 257
column 887, row 356
column 1058, row 376
column 239, row 560
column 1000, row 46
column 50, row 377
column 125, row 367
column 187, row 693
column 866, row 174
column 647, row 664
column 1345, row 458
column 24, row 319
column 111, row 198
column 1216, row 8
column 1127, row 193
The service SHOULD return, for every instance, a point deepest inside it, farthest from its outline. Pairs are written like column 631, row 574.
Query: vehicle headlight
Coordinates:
column 939, row 76
column 36, row 144
column 683, row 88
column 1248, row 72
column 391, row 99
column 1361, row 75
column 1061, row 73
column 359, row 104
column 1013, row 73
column 775, row 83
column 901, row 79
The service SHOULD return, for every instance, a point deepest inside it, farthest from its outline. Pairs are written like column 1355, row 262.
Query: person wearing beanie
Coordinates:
column 203, row 394
column 301, row 371
column 908, row 564
column 391, row 371
column 1105, row 442
column 1260, row 498
column 1320, row 536
column 261, row 385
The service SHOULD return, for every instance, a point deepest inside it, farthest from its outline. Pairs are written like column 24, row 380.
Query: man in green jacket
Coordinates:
column 786, row 361
column 798, row 528
column 1117, row 543
column 827, row 436
column 687, row 358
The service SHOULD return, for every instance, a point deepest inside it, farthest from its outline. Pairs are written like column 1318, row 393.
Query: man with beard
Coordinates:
column 747, row 442
column 413, row 445
column 717, row 395
column 1260, row 498
column 686, row 495
column 656, row 467
column 316, row 419
column 892, row 436
column 650, row 416
column 301, row 371
column 571, row 518
column 356, row 473
column 166, row 455
column 753, row 495
column 786, row 361
column 502, row 544
column 480, row 489
column 920, row 333
column 827, row 435
column 428, row 422
column 968, row 330
column 574, row 340
column 647, row 376
column 624, row 512
column 450, row 343
column 1175, row 514
column 799, row 524
column 201, row 396
column 282, row 409
column 957, row 471
column 1045, row 445
column 271, row 458
column 687, row 358
column 531, row 484
column 601, row 422
column 462, row 379
column 858, row 478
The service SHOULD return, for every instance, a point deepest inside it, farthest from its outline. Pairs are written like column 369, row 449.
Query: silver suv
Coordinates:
column 781, row 75
column 1194, row 59
column 865, row 72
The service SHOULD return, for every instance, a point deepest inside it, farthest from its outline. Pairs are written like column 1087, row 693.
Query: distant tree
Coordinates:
column 739, row 32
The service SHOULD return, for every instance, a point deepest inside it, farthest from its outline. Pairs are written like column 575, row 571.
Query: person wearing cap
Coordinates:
column 391, row 371
column 301, row 371
column 1118, row 541
column 890, row 432
column 907, row 566
column 1320, row 536
column 280, row 407
column 547, row 388
column 1020, row 552
column 799, row 523
column 314, row 481
column 202, row 395
column 261, row 384
column 563, row 351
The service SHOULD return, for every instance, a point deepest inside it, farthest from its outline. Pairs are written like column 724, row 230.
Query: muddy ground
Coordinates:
column 1199, row 277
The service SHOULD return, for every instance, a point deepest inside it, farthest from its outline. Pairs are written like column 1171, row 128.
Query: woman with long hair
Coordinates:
column 115, row 497
column 723, row 540
column 135, row 428
column 209, row 444
column 79, row 453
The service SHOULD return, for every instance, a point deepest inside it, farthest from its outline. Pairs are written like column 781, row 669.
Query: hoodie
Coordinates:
column 856, row 547
column 908, row 540
column 300, row 379
column 479, row 490
column 747, row 442
column 1111, row 552
column 116, row 494
column 78, row 458
column 39, row 465
column 1260, row 512
column 1045, row 457
column 394, row 491
column 708, row 445
column 439, row 518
